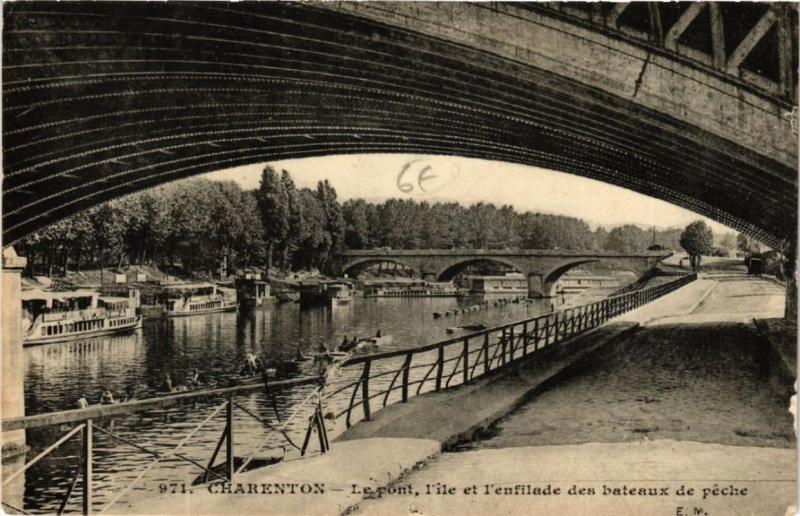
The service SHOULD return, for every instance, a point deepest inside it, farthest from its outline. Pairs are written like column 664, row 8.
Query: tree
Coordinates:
column 292, row 239
column 697, row 240
column 747, row 245
column 728, row 240
column 627, row 239
column 356, row 220
column 274, row 209
column 333, row 226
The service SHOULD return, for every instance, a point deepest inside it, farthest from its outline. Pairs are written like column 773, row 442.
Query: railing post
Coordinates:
column 503, row 345
column 525, row 338
column 466, row 360
column 87, row 467
column 555, row 339
column 439, row 368
column 486, row 352
column 365, row 390
column 512, row 341
column 229, row 438
column 406, row 367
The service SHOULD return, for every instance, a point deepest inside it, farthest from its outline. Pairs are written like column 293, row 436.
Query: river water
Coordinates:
column 57, row 375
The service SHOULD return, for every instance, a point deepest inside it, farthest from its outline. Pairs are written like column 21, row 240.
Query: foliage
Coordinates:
column 747, row 245
column 196, row 224
column 697, row 239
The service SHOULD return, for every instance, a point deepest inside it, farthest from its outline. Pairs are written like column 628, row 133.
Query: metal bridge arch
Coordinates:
column 104, row 99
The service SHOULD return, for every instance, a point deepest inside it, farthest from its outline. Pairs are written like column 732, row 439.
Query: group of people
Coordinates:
column 192, row 382
column 106, row 398
column 252, row 365
column 347, row 345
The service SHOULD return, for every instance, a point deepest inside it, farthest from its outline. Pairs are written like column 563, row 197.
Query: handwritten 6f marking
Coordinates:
column 418, row 177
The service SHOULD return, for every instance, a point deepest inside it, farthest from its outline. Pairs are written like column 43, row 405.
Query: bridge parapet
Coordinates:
column 542, row 267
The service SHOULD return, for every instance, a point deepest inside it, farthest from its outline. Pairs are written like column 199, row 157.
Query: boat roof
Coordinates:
column 187, row 285
column 29, row 295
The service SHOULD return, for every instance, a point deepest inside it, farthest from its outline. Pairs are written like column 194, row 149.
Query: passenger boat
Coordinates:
column 339, row 293
column 196, row 299
column 50, row 316
column 412, row 289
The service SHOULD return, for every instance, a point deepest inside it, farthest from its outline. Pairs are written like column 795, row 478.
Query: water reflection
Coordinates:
column 57, row 375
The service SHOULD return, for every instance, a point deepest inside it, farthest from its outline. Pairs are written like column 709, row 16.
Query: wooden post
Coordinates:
column 229, row 438
column 486, row 352
column 321, row 434
column 536, row 334
column 87, row 467
column 308, row 436
column 466, row 359
column 365, row 390
column 440, row 368
column 406, row 367
column 513, row 344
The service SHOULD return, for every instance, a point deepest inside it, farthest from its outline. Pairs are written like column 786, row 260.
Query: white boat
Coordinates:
column 50, row 316
column 196, row 299
column 339, row 293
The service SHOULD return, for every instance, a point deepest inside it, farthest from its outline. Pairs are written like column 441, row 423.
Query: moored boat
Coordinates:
column 339, row 293
column 203, row 298
column 251, row 290
column 50, row 317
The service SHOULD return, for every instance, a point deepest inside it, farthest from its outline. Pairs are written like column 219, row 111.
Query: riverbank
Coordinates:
column 675, row 403
column 469, row 412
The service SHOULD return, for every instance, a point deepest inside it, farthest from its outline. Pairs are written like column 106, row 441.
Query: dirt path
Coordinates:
column 697, row 382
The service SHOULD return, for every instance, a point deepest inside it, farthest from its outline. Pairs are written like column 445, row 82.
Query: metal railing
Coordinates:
column 457, row 361
column 87, row 426
column 402, row 374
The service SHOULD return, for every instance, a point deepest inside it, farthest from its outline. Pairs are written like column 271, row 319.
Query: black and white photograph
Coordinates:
column 399, row 258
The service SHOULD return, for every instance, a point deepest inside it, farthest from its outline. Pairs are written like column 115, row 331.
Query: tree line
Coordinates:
column 195, row 224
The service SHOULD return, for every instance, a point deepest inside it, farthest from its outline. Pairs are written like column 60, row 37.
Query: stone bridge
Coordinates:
column 541, row 267
column 692, row 103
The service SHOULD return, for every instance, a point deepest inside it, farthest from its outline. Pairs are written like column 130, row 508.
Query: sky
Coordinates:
column 376, row 177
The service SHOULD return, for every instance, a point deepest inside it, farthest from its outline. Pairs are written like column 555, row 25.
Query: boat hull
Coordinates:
column 82, row 335
column 203, row 311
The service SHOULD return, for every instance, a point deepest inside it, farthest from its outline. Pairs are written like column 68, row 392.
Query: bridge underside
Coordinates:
column 101, row 100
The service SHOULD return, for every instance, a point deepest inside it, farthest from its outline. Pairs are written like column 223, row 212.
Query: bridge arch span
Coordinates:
column 449, row 271
column 116, row 110
column 354, row 268
column 548, row 279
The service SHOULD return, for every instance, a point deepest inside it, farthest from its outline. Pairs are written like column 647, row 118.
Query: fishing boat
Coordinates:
column 199, row 298
column 61, row 316
column 325, row 355
column 377, row 341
